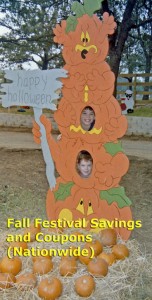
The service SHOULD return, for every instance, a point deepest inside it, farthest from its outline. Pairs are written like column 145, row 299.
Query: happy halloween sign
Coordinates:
column 32, row 88
column 37, row 89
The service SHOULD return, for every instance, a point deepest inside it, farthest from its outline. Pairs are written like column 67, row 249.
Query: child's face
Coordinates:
column 85, row 168
column 86, row 119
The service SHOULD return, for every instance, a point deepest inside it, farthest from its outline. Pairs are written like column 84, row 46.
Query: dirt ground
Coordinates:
column 23, row 188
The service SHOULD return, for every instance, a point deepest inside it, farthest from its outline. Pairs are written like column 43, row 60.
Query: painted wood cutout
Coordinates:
column 109, row 127
column 88, row 157
column 88, row 187
column 69, row 201
column 36, row 89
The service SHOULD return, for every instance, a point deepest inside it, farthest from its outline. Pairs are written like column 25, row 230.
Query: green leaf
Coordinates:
column 78, row 9
column 71, row 23
column 113, row 148
column 63, row 191
column 91, row 6
column 116, row 195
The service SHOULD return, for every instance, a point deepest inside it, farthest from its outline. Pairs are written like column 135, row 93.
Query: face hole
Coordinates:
column 87, row 118
column 84, row 164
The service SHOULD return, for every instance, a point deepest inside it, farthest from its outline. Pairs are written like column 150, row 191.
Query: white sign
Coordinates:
column 32, row 88
column 36, row 89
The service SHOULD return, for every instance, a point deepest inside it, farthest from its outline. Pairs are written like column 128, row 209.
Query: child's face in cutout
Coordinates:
column 86, row 119
column 85, row 168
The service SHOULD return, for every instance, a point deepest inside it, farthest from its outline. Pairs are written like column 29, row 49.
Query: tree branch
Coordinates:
column 144, row 22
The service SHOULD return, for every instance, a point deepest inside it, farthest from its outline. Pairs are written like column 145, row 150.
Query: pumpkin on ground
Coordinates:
column 85, row 259
column 67, row 266
column 26, row 281
column 11, row 265
column 32, row 230
column 50, row 288
column 42, row 266
column 110, row 258
column 120, row 251
column 21, row 245
column 108, row 237
column 7, row 280
column 97, row 267
column 96, row 247
column 84, row 285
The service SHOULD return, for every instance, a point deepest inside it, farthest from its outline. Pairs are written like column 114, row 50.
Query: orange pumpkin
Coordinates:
column 86, row 259
column 98, row 32
column 42, row 266
column 98, row 267
column 96, row 246
column 108, row 237
column 26, row 281
column 86, row 203
column 90, row 83
column 120, row 251
column 11, row 265
column 21, row 245
column 110, row 258
column 33, row 231
column 34, row 258
column 107, row 169
column 111, row 126
column 50, row 288
column 7, row 280
column 84, row 285
column 67, row 266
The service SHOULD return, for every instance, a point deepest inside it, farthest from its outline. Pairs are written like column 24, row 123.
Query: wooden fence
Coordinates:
column 136, row 83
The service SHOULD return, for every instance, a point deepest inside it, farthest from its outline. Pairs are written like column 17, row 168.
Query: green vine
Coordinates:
column 89, row 7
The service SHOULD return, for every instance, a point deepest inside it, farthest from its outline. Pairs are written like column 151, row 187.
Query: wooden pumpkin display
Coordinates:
column 72, row 203
column 90, row 121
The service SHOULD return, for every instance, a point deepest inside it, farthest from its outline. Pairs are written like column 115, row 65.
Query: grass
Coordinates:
column 142, row 112
column 143, row 109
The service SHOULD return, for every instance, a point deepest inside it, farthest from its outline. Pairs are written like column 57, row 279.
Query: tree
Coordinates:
column 31, row 22
column 30, row 36
column 127, row 20
column 145, row 39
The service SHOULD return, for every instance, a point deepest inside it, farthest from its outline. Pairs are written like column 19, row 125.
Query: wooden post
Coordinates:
column 135, row 88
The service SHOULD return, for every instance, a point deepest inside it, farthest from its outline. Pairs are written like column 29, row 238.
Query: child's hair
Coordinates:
column 88, row 107
column 84, row 155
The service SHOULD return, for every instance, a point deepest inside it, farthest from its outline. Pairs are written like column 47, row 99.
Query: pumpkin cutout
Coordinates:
column 109, row 127
column 90, row 82
column 87, row 204
column 107, row 169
